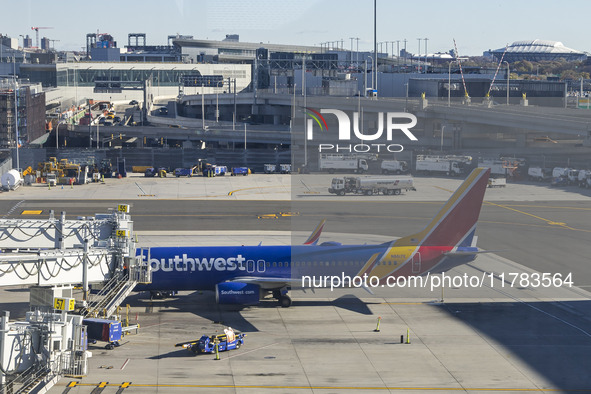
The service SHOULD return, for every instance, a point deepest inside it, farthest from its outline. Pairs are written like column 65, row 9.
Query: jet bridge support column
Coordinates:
column 85, row 273
column 59, row 236
column 3, row 322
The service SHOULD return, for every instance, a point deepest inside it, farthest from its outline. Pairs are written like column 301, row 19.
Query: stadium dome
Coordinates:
column 536, row 50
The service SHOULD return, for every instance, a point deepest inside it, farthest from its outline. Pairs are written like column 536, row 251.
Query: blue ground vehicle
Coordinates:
column 206, row 344
column 184, row 172
column 240, row 171
column 220, row 170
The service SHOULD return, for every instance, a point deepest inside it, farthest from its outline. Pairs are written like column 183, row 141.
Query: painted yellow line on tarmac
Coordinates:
column 509, row 207
column 354, row 388
column 550, row 222
column 253, row 188
column 32, row 212
column 546, row 207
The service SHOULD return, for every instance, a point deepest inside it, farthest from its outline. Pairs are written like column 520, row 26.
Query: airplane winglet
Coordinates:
column 315, row 236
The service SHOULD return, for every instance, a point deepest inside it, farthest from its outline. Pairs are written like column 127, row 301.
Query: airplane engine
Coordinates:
column 237, row 293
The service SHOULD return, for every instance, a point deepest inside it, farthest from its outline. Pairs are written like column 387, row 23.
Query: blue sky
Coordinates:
column 476, row 25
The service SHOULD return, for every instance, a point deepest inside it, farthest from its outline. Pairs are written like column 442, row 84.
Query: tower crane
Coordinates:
column 37, row 33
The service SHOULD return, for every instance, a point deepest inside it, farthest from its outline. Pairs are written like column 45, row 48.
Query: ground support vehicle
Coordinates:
column 370, row 185
column 539, row 174
column 220, row 170
column 155, row 172
column 206, row 344
column 178, row 172
column 393, row 167
column 105, row 330
column 497, row 182
column 446, row 165
column 270, row 168
column 343, row 163
column 240, row 171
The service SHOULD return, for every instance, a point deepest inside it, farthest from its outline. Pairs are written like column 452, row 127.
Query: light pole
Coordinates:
column 426, row 54
column 16, row 119
column 405, row 55
column 375, row 45
column 441, row 145
column 372, row 75
column 419, row 57
column 508, row 74
column 397, row 53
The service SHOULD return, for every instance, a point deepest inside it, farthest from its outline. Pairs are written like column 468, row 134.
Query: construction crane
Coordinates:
column 53, row 43
column 37, row 33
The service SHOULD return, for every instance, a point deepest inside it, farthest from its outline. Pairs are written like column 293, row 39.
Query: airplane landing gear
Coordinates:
column 285, row 301
column 282, row 297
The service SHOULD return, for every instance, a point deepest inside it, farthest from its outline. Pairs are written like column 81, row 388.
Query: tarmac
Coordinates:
column 502, row 332
column 273, row 187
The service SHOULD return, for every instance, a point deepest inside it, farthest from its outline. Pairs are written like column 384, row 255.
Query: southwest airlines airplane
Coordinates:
column 245, row 274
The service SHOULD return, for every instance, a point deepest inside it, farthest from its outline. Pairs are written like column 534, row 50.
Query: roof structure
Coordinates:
column 536, row 50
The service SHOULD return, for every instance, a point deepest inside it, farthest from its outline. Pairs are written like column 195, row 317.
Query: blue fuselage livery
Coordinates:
column 238, row 273
column 190, row 268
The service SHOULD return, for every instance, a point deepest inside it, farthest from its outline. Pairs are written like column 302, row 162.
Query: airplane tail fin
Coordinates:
column 455, row 224
column 313, row 238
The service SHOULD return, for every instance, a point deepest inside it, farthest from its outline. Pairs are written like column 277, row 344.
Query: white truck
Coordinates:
column 393, row 167
column 370, row 185
column 539, row 174
column 558, row 172
column 584, row 178
column 270, row 168
column 342, row 163
column 447, row 165
column 497, row 182
column 564, row 176
column 285, row 168
column 573, row 177
column 497, row 167
column 51, row 179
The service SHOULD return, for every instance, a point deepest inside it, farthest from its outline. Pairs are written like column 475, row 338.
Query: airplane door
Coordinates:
column 250, row 266
column 261, row 265
column 416, row 263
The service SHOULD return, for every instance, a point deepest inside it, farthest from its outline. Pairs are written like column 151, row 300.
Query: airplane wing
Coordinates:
column 313, row 238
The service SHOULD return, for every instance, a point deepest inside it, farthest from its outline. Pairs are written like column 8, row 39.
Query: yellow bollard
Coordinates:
column 407, row 336
column 378, row 326
column 217, row 351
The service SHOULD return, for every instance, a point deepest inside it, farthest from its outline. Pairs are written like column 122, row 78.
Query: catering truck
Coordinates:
column 539, row 174
column 446, row 165
column 370, row 185
column 393, row 167
column 497, row 167
column 343, row 163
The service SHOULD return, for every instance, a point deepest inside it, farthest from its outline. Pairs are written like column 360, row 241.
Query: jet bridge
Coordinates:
column 52, row 256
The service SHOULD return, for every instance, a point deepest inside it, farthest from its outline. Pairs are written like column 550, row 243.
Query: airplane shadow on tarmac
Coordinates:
column 203, row 305
column 553, row 338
